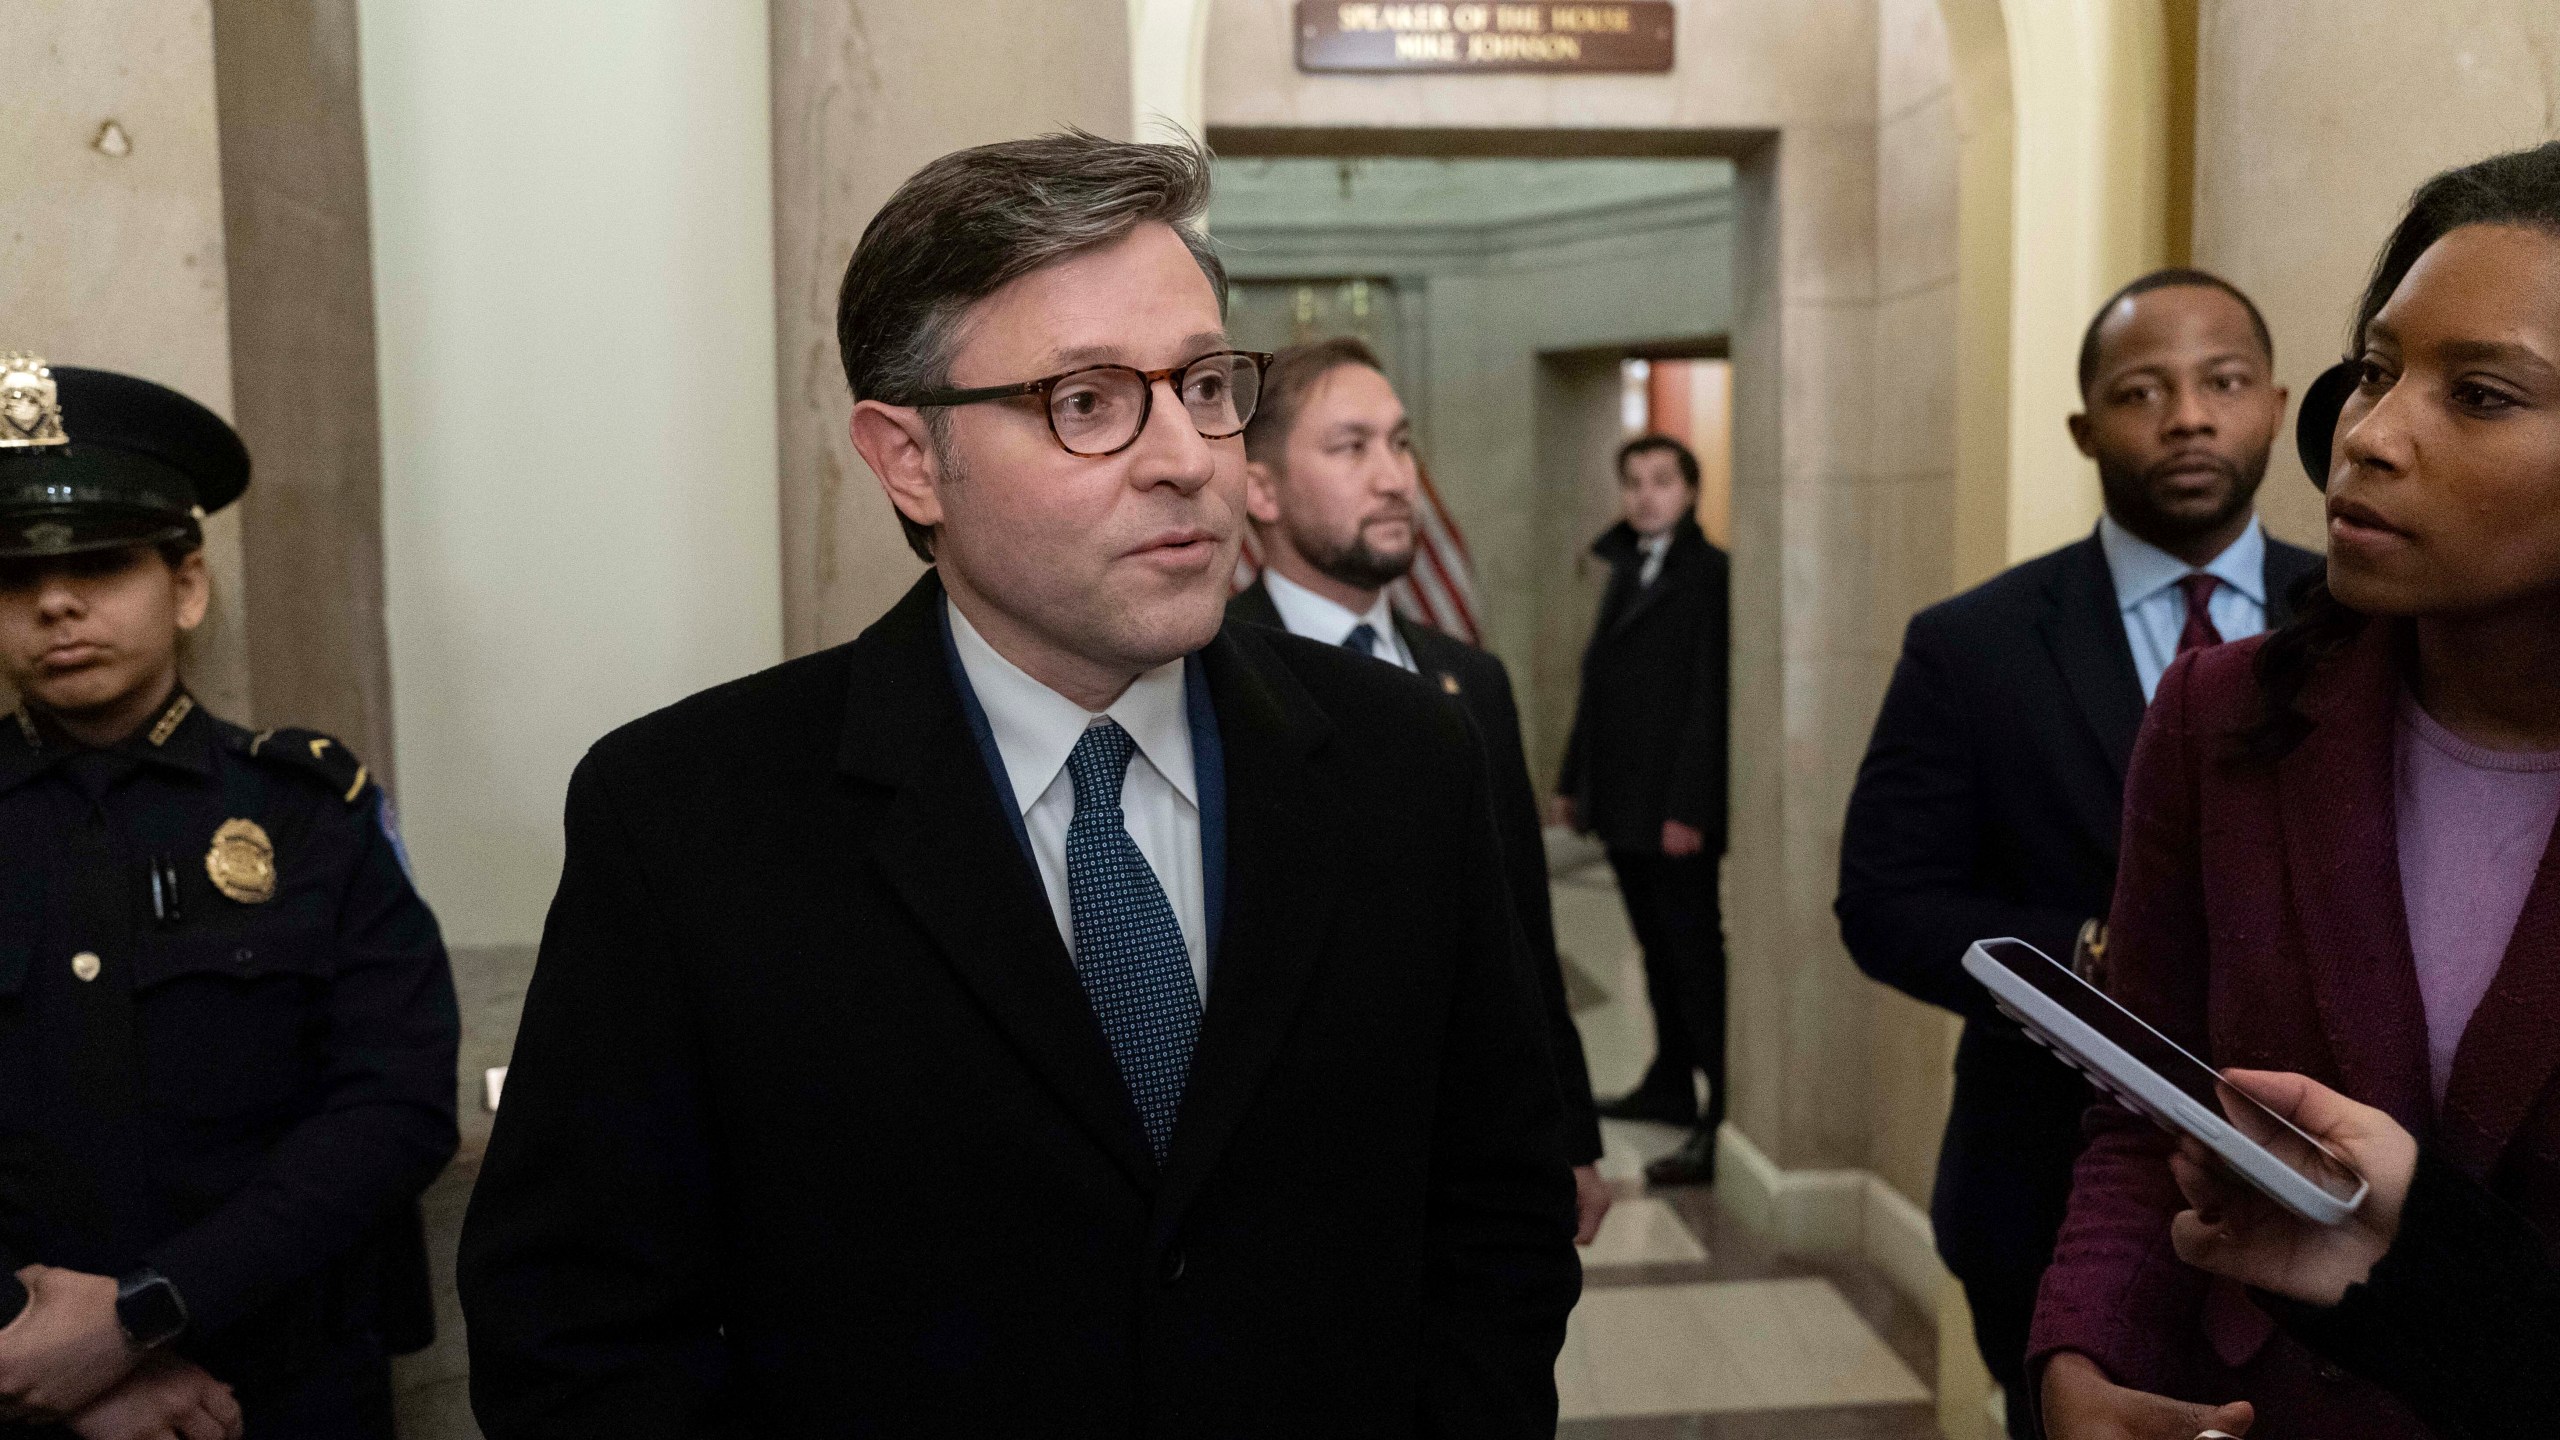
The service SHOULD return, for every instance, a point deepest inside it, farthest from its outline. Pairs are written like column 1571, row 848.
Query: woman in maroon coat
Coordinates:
column 2336, row 855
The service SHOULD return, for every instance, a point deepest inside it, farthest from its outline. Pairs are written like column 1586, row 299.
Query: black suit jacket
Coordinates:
column 811, row 1131
column 1650, row 729
column 1482, row 685
column 1990, row 798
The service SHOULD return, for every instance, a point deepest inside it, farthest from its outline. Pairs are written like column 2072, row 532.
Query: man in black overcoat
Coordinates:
column 1645, row 772
column 1331, row 483
column 1988, row 804
column 1035, row 1017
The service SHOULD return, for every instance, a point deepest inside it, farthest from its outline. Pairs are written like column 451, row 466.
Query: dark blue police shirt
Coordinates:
column 246, row 1094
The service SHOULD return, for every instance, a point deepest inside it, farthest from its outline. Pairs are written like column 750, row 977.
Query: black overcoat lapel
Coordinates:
column 1254, row 606
column 947, row 848
column 1680, row 571
column 1284, row 879
column 2083, row 629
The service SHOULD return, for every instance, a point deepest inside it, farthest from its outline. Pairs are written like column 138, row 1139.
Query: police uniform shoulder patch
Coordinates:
column 316, row 755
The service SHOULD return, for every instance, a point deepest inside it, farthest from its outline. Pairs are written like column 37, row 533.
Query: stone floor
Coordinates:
column 1689, row 1329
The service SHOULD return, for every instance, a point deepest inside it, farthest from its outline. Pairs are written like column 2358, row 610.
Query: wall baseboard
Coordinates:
column 1831, row 1212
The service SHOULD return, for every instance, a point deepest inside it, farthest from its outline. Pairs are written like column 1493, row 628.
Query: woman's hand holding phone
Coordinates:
column 2235, row 1231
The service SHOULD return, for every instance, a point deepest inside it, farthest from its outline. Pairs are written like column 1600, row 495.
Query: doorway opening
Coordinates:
column 1488, row 283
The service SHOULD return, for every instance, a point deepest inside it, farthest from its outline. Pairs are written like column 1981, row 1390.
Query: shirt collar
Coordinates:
column 180, row 735
column 1036, row 727
column 2141, row 569
column 1304, row 612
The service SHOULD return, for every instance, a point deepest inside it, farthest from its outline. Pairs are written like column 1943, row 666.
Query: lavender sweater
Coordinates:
column 2473, row 825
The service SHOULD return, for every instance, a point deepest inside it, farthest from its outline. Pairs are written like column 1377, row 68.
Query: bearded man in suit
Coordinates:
column 1330, row 485
column 1037, row 1016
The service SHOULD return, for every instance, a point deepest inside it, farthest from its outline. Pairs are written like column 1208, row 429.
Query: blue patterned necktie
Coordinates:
column 1363, row 638
column 1129, row 950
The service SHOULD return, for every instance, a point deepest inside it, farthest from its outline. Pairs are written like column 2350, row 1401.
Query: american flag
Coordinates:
column 1440, row 589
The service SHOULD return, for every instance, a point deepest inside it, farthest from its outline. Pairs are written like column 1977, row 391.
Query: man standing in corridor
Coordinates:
column 1330, row 482
column 1645, row 772
column 1989, row 801
column 1034, row 1017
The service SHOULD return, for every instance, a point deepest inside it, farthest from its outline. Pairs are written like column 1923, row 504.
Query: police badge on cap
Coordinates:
column 30, row 408
column 94, row 460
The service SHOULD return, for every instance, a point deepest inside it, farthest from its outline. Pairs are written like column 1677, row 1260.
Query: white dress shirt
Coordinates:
column 1305, row 613
column 2155, row 609
column 1036, row 728
column 1656, row 548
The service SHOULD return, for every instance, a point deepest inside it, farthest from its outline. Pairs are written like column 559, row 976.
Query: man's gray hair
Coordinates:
column 975, row 220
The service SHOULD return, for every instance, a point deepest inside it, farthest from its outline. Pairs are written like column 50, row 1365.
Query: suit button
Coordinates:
column 2331, row 1373
column 1176, row 1265
column 86, row 965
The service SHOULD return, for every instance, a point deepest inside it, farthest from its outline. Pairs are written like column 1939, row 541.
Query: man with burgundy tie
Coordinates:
column 1989, row 801
column 1055, row 1012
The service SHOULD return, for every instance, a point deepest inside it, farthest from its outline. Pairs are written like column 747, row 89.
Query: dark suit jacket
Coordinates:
column 1650, row 728
column 1987, row 805
column 2461, row 1320
column 1989, row 800
column 2259, row 922
column 1483, row 687
column 811, row 1130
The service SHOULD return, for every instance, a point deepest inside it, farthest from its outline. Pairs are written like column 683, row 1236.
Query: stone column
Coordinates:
column 111, row 251
column 864, row 93
column 302, row 356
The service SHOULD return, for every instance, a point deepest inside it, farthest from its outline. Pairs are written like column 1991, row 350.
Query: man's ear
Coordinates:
column 195, row 590
column 896, row 445
column 2083, row 434
column 1261, row 493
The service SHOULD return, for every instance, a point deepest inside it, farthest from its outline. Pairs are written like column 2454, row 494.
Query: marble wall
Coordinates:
column 864, row 93
column 111, row 241
column 300, row 269
column 1906, row 529
column 573, row 272
column 2311, row 136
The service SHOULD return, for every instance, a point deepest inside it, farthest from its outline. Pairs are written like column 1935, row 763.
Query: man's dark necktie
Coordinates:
column 1129, row 950
column 2199, row 632
column 1363, row 638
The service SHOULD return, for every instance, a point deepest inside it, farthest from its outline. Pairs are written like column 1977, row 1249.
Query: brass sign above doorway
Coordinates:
column 1536, row 36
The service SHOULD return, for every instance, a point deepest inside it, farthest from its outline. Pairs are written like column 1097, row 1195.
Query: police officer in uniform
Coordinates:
column 227, row 1025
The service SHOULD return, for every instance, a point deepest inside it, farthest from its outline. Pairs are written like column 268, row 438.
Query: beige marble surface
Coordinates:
column 864, row 93
column 111, row 250
column 1899, row 544
column 300, row 271
column 2310, row 137
column 1736, row 1345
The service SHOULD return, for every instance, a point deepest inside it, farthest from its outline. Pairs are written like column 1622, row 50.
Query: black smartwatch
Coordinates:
column 148, row 1308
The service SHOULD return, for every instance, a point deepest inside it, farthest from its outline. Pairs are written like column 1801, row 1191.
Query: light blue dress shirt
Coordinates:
column 2155, row 609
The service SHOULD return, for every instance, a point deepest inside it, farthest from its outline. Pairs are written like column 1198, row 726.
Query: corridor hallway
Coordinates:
column 1689, row 1327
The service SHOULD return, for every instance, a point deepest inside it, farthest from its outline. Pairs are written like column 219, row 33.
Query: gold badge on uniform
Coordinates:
column 30, row 404
column 242, row 862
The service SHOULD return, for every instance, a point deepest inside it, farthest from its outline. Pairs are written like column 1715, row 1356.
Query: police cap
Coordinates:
column 94, row 460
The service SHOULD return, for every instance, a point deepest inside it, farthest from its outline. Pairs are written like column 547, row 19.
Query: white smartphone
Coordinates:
column 2156, row 1077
